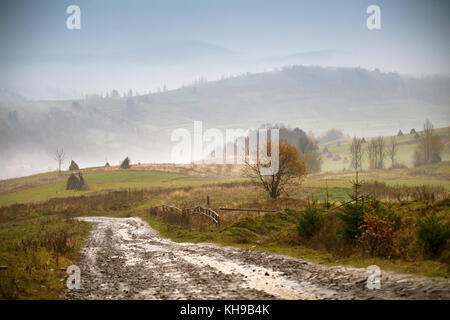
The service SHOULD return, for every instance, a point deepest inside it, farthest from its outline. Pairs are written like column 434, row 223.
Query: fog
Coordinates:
column 228, row 64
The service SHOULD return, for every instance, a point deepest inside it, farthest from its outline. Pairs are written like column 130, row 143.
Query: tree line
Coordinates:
column 380, row 149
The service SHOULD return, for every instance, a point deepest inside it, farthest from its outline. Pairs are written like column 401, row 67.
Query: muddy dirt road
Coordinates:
column 123, row 258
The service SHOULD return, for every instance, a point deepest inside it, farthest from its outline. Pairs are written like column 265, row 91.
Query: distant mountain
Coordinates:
column 354, row 100
column 319, row 58
column 145, row 52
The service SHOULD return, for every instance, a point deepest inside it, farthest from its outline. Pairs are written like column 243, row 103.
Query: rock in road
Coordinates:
column 124, row 258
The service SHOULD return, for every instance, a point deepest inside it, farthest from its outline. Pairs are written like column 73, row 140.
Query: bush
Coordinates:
column 380, row 190
column 380, row 232
column 309, row 222
column 352, row 216
column 432, row 234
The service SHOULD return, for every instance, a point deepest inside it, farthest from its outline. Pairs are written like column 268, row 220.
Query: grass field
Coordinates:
column 52, row 185
column 37, row 254
column 55, row 187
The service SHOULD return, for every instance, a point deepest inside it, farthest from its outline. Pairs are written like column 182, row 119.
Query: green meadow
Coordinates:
column 106, row 180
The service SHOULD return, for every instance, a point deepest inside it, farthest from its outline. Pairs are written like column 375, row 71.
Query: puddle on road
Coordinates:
column 256, row 278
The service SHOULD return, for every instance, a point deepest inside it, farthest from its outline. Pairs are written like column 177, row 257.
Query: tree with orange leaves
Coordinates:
column 290, row 169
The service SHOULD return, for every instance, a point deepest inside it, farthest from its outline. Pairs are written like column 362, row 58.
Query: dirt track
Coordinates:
column 123, row 258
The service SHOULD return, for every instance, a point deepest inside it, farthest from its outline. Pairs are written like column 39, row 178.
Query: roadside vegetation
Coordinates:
column 36, row 255
column 409, row 236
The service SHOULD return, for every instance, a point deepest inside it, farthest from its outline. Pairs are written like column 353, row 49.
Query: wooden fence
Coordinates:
column 207, row 212
column 249, row 210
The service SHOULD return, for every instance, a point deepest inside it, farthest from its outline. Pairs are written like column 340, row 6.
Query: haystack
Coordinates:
column 413, row 131
column 107, row 164
column 125, row 163
column 400, row 133
column 73, row 166
column 75, row 183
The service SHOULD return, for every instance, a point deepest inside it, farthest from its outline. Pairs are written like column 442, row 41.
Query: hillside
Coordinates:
column 355, row 100
column 338, row 157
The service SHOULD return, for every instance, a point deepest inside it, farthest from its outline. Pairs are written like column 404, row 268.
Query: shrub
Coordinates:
column 379, row 235
column 352, row 216
column 352, row 213
column 380, row 190
column 310, row 222
column 432, row 234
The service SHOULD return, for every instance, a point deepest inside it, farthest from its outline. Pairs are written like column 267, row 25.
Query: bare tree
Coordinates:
column 356, row 154
column 376, row 152
column 430, row 147
column 428, row 130
column 372, row 153
column 59, row 156
column 381, row 153
column 392, row 152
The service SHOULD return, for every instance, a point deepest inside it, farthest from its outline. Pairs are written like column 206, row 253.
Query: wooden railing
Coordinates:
column 210, row 213
column 247, row 210
column 207, row 212
column 167, row 208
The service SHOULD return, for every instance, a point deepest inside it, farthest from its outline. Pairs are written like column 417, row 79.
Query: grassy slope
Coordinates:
column 106, row 180
column 406, row 147
column 51, row 185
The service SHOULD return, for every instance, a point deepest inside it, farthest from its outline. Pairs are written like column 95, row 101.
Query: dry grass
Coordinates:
column 35, row 253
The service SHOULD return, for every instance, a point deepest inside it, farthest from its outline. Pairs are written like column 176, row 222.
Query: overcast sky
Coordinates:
column 143, row 44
